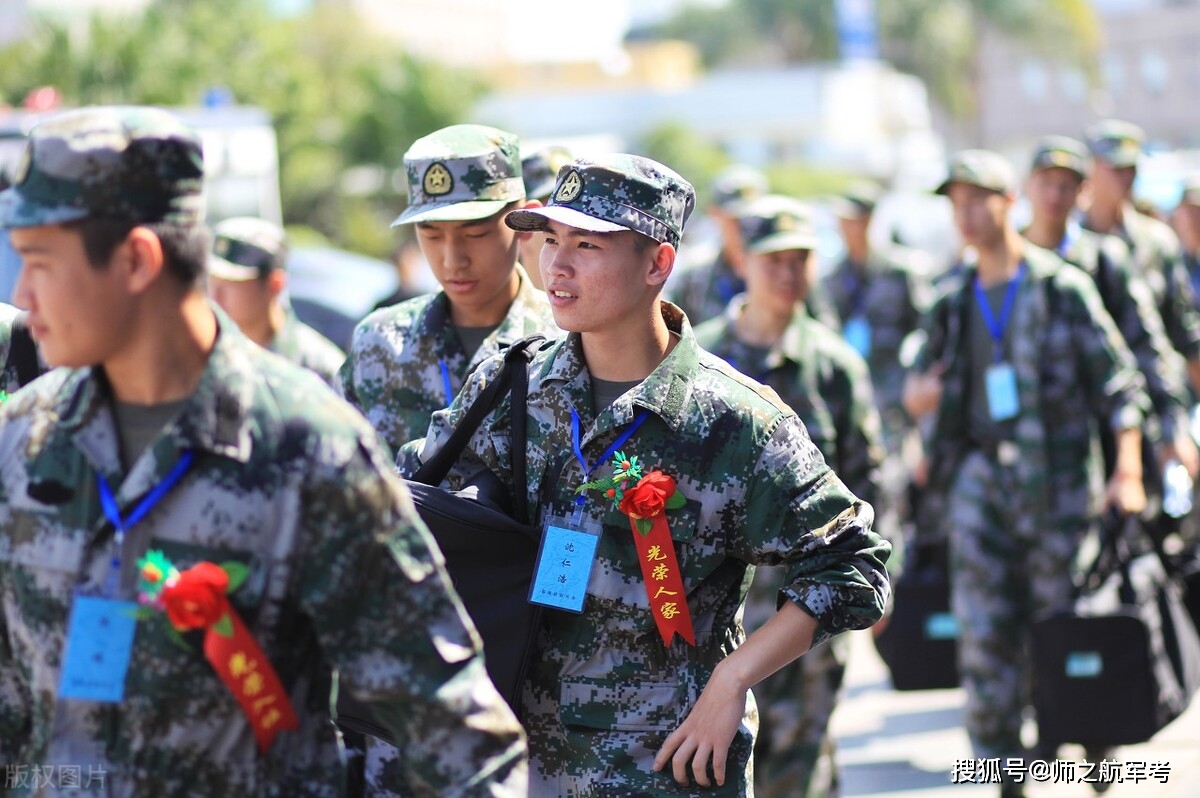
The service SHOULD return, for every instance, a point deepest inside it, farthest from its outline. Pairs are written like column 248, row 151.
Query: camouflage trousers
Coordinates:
column 794, row 756
column 1000, row 582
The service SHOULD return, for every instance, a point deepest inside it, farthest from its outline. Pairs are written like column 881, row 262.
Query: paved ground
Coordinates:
column 905, row 744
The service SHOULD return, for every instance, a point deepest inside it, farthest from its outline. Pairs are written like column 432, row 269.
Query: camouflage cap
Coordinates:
column 245, row 248
column 858, row 200
column 982, row 168
column 1115, row 142
column 539, row 169
column 776, row 223
column 141, row 165
column 614, row 193
column 737, row 184
column 460, row 173
column 1060, row 152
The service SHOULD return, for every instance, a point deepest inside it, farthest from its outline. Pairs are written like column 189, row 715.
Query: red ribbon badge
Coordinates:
column 645, row 504
column 196, row 599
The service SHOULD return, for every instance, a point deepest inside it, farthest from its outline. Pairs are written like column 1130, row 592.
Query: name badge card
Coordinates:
column 564, row 566
column 1002, row 391
column 857, row 332
column 98, row 649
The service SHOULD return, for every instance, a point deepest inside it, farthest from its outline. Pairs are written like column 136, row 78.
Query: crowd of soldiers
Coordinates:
column 809, row 418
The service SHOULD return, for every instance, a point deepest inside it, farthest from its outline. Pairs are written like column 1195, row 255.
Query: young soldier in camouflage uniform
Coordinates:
column 1056, row 179
column 615, row 705
column 221, row 458
column 1029, row 361
column 1187, row 225
column 768, row 335
column 1157, row 255
column 246, row 277
column 409, row 360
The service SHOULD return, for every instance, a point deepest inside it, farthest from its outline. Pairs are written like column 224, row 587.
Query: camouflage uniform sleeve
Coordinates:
column 933, row 325
column 380, row 601
column 14, row 698
column 1138, row 320
column 1113, row 385
column 799, row 513
column 1179, row 313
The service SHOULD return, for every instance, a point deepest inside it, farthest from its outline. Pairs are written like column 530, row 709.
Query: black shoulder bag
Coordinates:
column 488, row 543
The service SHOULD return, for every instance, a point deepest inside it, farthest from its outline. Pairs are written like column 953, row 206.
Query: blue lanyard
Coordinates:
column 108, row 503
column 446, row 382
column 857, row 288
column 996, row 326
column 1069, row 238
column 621, row 440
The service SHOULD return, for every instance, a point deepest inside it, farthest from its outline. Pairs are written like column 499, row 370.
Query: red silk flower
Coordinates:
column 196, row 599
column 649, row 497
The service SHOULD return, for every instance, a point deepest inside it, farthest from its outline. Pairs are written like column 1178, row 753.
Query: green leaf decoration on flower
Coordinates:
column 675, row 501
column 626, row 468
column 175, row 637
column 4, row 396
column 153, row 572
column 643, row 525
column 237, row 575
column 224, row 627
column 142, row 613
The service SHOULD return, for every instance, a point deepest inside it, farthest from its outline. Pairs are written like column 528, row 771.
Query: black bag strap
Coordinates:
column 513, row 378
column 22, row 351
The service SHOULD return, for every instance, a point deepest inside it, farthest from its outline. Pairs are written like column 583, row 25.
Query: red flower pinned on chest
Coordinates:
column 651, row 494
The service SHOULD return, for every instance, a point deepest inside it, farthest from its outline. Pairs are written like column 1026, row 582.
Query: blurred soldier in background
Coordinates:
column 247, row 278
column 1187, row 225
column 1157, row 254
column 1020, row 360
column 411, row 359
column 539, row 171
column 768, row 335
column 707, row 281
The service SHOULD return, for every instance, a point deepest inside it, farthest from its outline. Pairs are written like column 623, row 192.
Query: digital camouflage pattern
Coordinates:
column 1158, row 260
column 703, row 283
column 1061, row 152
column 246, row 248
column 135, row 164
column 1014, row 524
column 461, row 172
column 540, row 168
column 613, row 193
column 776, row 223
column 393, row 373
column 9, row 381
column 1107, row 260
column 300, row 344
column 604, row 693
column 291, row 483
column 1116, row 142
column 826, row 383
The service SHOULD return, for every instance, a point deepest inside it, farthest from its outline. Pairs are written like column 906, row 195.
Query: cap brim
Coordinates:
column 451, row 211
column 18, row 211
column 535, row 219
column 231, row 272
column 1119, row 161
column 781, row 242
column 849, row 209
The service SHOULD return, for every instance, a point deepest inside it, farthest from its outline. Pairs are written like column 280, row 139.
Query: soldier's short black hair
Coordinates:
column 185, row 246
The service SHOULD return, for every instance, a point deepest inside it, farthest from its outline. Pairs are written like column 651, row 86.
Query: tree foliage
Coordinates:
column 339, row 97
column 937, row 40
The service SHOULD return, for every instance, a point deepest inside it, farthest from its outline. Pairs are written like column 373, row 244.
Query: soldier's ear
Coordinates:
column 662, row 264
column 141, row 257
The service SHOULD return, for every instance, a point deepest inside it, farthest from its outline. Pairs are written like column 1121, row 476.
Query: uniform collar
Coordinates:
column 666, row 391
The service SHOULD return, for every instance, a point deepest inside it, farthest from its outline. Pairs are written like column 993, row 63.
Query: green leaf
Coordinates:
column 175, row 637
column 224, row 627
column 143, row 613
column 237, row 574
column 643, row 525
column 676, row 500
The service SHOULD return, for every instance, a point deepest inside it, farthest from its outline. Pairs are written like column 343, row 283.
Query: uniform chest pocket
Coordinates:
column 698, row 548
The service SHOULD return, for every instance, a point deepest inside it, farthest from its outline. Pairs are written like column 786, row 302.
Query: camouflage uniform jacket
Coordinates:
column 290, row 482
column 1068, row 357
column 821, row 378
column 1158, row 259
column 300, row 344
column 702, row 287
column 9, row 383
column 1126, row 297
column 393, row 372
column 892, row 295
column 604, row 692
